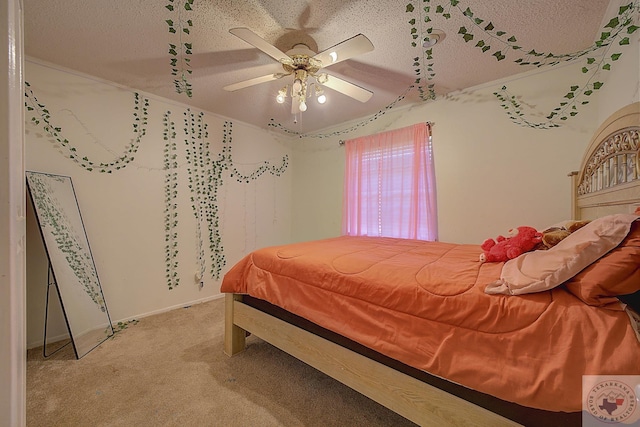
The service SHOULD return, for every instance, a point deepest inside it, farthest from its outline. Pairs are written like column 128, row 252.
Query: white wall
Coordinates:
column 12, row 221
column 123, row 211
column 491, row 174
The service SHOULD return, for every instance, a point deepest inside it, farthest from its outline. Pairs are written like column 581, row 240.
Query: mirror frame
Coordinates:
column 70, row 260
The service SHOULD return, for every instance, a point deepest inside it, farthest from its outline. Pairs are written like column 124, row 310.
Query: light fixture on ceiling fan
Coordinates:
column 303, row 63
column 301, row 90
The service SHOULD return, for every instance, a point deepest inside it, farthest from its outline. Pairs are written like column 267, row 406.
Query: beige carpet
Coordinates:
column 170, row 370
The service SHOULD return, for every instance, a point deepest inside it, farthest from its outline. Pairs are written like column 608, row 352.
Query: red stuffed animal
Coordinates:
column 521, row 240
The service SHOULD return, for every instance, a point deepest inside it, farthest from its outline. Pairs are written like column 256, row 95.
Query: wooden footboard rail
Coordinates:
column 403, row 394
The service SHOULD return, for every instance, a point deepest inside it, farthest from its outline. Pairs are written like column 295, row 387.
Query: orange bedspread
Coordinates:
column 423, row 303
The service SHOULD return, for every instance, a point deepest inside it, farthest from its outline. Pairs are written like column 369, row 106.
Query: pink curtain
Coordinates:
column 389, row 185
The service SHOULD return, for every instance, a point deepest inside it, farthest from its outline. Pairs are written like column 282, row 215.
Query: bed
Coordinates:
column 430, row 332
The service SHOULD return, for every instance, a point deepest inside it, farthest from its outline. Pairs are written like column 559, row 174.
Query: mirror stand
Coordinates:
column 51, row 281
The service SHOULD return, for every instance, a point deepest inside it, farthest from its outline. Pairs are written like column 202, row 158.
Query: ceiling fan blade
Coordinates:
column 346, row 49
column 254, row 81
column 258, row 42
column 349, row 89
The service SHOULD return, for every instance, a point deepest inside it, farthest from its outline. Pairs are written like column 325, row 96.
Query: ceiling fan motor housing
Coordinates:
column 301, row 59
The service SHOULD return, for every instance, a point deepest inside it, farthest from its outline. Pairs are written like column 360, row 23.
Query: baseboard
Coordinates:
column 170, row 308
column 64, row 336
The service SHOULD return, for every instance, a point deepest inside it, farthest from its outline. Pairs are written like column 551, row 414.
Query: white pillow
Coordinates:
column 542, row 270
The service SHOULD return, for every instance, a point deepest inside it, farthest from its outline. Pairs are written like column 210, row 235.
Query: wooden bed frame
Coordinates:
column 608, row 182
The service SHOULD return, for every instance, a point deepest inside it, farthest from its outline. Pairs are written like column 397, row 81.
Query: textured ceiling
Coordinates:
column 127, row 42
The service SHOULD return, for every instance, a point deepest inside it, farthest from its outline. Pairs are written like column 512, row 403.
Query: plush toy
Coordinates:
column 551, row 237
column 520, row 240
column 554, row 235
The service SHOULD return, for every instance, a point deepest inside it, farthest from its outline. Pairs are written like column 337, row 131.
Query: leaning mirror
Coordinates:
column 71, row 264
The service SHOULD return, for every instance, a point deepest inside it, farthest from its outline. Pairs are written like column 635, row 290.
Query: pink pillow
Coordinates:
column 542, row 270
column 616, row 273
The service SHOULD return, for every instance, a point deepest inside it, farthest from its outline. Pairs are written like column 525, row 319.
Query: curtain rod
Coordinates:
column 341, row 142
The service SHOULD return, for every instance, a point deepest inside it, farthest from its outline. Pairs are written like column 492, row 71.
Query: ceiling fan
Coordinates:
column 303, row 63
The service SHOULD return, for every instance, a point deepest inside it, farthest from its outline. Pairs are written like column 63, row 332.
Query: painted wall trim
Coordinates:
column 12, row 220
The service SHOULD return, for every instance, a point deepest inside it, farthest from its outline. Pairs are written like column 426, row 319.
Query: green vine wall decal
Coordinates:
column 498, row 43
column 181, row 50
column 121, row 326
column 423, row 64
column 53, row 217
column 171, row 206
column 513, row 110
column 618, row 28
column 598, row 58
column 204, row 176
column 204, row 179
column 350, row 129
column 266, row 166
column 42, row 116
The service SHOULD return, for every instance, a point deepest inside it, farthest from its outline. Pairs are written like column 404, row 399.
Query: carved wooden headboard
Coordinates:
column 609, row 178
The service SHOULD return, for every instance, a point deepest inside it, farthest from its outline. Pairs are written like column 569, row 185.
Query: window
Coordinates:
column 389, row 186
